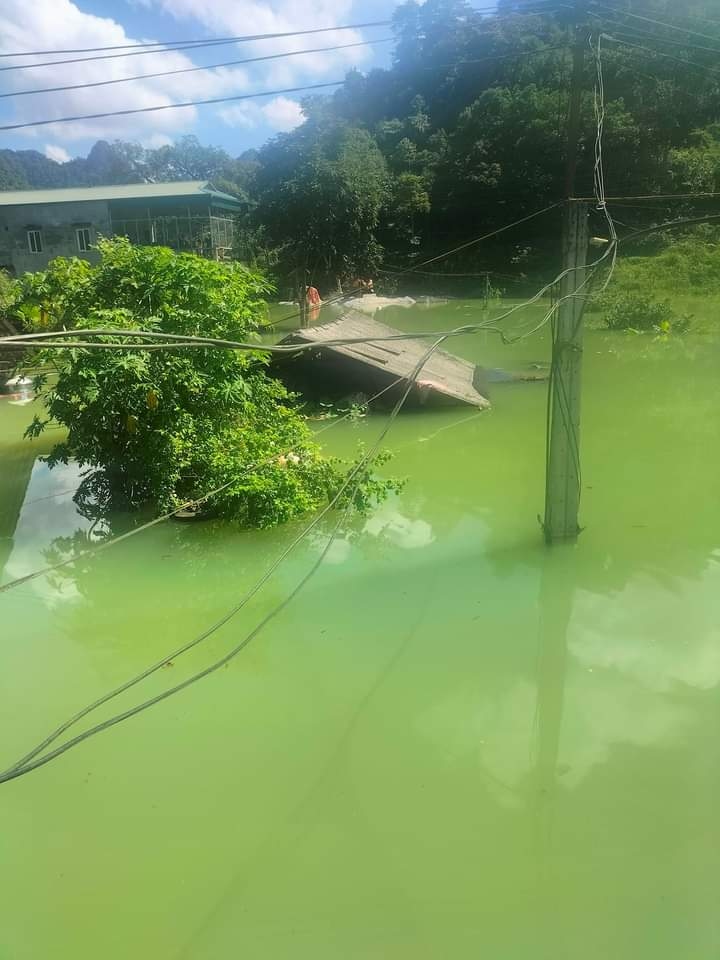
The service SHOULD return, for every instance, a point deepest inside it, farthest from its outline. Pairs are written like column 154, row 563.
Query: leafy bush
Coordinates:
column 162, row 427
column 633, row 311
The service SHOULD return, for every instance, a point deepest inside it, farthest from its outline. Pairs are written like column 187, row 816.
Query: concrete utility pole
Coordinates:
column 562, row 484
column 562, row 490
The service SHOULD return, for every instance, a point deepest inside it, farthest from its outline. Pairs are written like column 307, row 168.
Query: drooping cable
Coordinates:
column 21, row 769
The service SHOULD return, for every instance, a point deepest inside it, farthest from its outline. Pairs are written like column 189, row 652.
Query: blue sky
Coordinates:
column 64, row 24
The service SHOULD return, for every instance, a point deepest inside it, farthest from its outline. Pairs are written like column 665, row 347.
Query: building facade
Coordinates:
column 38, row 225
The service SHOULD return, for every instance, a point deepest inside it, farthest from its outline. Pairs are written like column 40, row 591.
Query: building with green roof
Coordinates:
column 38, row 225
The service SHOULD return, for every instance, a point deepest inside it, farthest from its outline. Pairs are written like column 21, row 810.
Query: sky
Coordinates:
column 37, row 25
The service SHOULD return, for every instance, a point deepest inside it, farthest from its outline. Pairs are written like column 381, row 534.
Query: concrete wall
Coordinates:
column 57, row 223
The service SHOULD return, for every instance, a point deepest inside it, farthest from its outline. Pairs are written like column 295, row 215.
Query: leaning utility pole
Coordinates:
column 562, row 479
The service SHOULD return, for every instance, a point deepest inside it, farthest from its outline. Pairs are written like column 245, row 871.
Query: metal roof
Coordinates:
column 442, row 374
column 130, row 191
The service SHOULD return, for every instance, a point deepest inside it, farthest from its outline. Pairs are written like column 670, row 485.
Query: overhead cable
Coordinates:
column 660, row 53
column 195, row 45
column 186, row 505
column 598, row 166
column 195, row 641
column 657, row 23
column 170, row 46
column 209, row 66
column 273, row 56
column 636, row 33
column 174, row 106
column 35, row 758
column 20, row 769
column 214, row 100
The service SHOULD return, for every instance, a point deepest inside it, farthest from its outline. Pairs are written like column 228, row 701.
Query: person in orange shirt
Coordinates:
column 312, row 298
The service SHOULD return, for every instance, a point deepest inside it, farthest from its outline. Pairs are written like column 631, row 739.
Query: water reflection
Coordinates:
column 45, row 520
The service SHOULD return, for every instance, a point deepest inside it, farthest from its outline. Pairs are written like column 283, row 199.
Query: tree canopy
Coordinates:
column 158, row 428
column 462, row 133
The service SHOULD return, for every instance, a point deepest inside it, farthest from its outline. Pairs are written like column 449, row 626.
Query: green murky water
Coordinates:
column 455, row 743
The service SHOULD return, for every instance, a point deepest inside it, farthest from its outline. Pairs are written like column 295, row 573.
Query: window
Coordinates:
column 34, row 238
column 83, row 239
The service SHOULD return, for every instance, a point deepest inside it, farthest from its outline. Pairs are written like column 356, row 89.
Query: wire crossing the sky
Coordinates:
column 208, row 66
column 198, row 44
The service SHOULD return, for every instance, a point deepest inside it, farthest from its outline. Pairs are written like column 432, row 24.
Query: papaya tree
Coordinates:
column 158, row 428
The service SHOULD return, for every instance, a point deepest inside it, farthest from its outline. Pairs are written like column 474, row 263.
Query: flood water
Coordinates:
column 455, row 743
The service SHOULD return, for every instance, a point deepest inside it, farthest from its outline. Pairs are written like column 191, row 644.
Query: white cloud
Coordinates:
column 283, row 114
column 47, row 24
column 243, row 16
column 280, row 114
column 56, row 153
column 244, row 115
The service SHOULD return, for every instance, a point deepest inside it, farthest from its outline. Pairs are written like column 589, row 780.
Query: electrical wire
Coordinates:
column 170, row 46
column 662, row 196
column 20, row 768
column 188, row 504
column 4, row 588
column 32, row 760
column 416, row 267
column 210, row 66
column 635, row 33
column 659, row 53
column 173, row 106
column 209, row 40
column 213, row 100
column 194, row 45
column 479, row 275
column 598, row 168
column 17, row 338
column 671, row 225
column 657, row 23
column 480, row 239
column 503, row 56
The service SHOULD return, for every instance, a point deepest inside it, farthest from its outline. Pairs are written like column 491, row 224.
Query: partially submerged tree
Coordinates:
column 163, row 427
column 319, row 196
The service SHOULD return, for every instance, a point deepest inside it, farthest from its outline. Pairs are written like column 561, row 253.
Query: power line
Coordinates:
column 661, row 196
column 170, row 46
column 658, row 23
column 659, row 53
column 274, row 56
column 29, row 763
column 175, row 654
column 20, row 770
column 201, row 43
column 503, row 56
column 188, row 504
column 173, row 106
column 599, row 167
column 165, row 341
column 485, row 236
column 636, row 33
column 210, row 66
column 672, row 224
column 18, row 339
column 185, row 43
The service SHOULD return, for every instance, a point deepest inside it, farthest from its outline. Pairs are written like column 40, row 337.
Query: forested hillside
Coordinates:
column 464, row 132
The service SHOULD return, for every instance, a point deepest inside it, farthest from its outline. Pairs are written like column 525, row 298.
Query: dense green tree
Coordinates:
column 159, row 428
column 319, row 194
